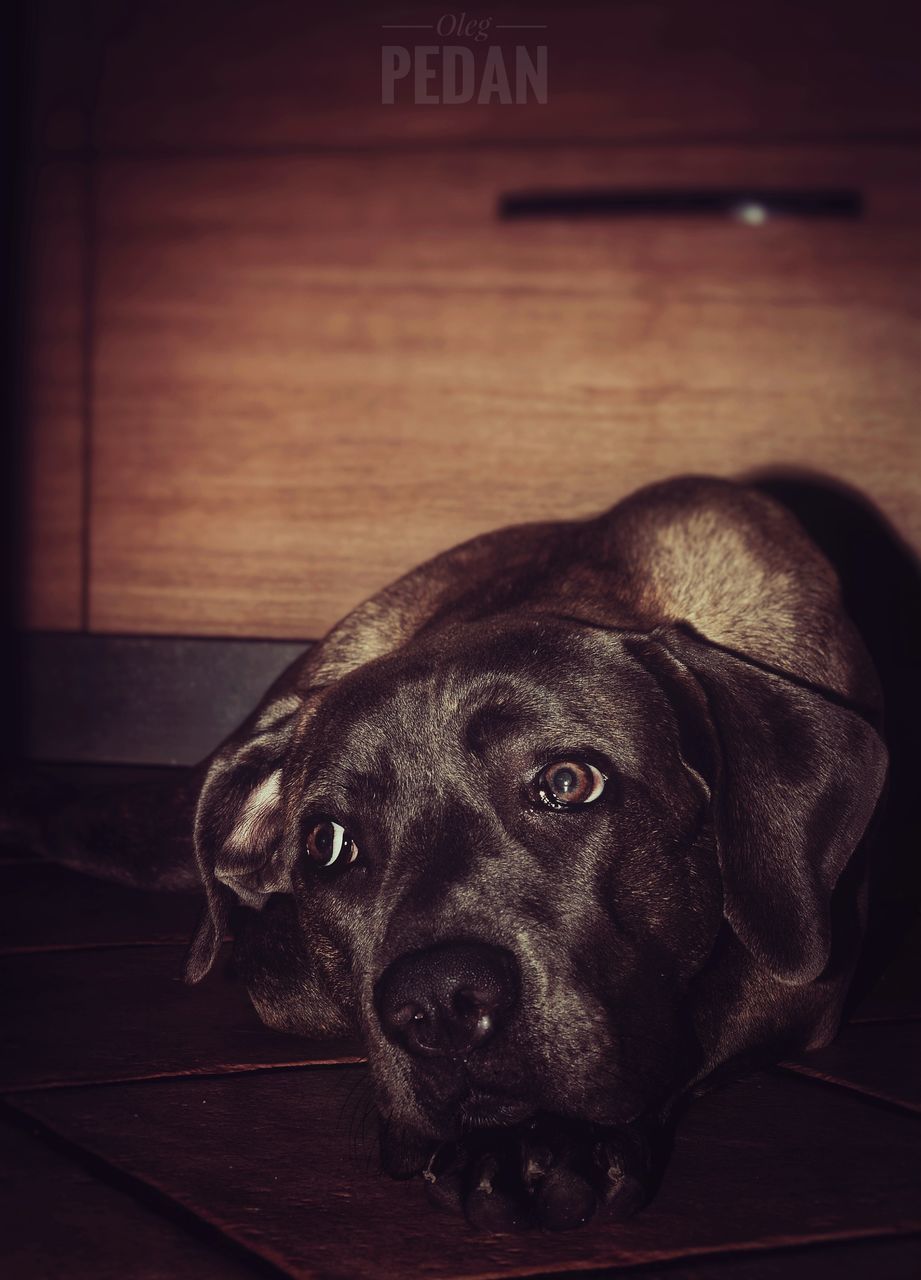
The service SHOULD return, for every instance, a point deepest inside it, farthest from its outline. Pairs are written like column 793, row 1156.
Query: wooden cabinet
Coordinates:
column 318, row 355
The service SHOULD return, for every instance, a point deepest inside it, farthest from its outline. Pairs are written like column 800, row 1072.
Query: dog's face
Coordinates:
column 516, row 793
column 545, row 861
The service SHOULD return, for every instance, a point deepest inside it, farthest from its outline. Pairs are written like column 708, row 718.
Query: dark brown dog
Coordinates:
column 559, row 823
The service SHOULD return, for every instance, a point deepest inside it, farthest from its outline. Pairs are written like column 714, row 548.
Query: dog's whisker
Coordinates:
column 355, row 1109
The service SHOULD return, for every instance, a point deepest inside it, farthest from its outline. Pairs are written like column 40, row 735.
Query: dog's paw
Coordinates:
column 404, row 1152
column 550, row 1172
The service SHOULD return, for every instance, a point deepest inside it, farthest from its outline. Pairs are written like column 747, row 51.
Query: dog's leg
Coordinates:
column 404, row 1152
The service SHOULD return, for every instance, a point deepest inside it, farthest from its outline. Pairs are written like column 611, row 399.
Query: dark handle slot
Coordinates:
column 751, row 205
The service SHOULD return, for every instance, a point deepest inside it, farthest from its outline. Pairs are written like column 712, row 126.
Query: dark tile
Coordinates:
column 284, row 1162
column 44, row 907
column 72, row 1017
column 896, row 1259
column 56, row 1220
column 882, row 1060
column 898, row 992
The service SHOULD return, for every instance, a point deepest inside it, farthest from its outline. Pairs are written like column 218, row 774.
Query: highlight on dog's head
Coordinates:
column 555, row 824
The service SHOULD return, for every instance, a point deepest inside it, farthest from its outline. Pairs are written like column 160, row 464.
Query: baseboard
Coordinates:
column 153, row 700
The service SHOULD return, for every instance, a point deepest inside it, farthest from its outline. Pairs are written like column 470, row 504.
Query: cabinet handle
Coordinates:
column 751, row 205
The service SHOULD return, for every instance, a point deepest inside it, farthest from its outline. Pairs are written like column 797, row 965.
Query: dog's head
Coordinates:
column 539, row 862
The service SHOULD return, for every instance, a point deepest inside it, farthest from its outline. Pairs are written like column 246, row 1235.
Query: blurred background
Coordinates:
column 283, row 339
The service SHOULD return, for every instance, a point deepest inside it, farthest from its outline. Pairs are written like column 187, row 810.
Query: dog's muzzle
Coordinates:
column 447, row 1001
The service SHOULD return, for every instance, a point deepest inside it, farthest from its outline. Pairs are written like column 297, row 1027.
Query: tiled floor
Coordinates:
column 151, row 1130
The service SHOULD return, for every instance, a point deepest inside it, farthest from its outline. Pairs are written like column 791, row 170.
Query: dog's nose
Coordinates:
column 447, row 1000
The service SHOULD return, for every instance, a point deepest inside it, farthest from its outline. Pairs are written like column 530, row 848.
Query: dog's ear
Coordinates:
column 794, row 777
column 239, row 825
column 743, row 606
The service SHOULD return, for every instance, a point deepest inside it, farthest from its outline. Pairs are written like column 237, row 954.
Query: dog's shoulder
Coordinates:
column 739, row 569
column 707, row 553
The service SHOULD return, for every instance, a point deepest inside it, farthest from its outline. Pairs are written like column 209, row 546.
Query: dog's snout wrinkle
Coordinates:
column 447, row 1000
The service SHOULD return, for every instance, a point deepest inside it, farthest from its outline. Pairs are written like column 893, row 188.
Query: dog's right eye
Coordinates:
column 569, row 784
column 328, row 842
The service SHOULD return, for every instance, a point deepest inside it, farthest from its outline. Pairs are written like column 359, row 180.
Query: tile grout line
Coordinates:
column 9, row 1092
column 867, row 1096
column 58, row 948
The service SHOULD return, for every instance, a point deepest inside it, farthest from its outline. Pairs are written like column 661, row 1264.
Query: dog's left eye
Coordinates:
column 328, row 842
column 568, row 783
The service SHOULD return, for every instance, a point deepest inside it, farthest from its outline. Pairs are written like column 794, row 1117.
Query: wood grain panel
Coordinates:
column 285, row 73
column 282, row 1162
column 312, row 373
column 54, row 376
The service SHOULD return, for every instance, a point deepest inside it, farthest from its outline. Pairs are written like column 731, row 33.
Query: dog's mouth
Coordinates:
column 467, row 1104
column 480, row 1109
column 476, row 1105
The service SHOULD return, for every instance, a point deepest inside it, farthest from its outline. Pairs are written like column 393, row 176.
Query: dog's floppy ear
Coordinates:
column 747, row 613
column 238, row 823
column 239, row 817
column 795, row 778
column 239, row 826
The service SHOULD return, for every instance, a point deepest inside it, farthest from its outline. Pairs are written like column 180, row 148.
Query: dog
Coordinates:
column 565, row 824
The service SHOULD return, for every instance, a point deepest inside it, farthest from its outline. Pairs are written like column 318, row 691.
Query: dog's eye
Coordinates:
column 328, row 842
column 569, row 783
